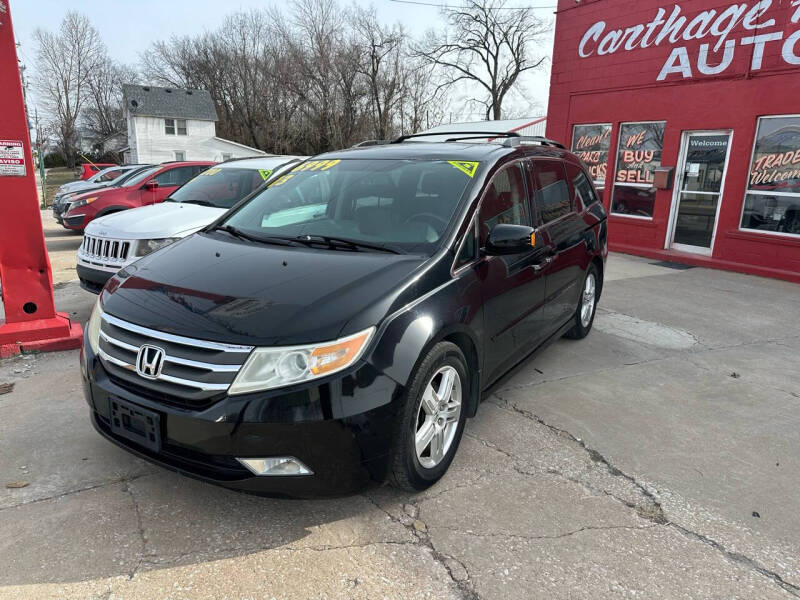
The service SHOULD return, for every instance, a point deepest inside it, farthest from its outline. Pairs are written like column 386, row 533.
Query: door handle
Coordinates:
column 541, row 265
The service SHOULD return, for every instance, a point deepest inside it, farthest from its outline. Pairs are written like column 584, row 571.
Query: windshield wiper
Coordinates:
column 200, row 202
column 236, row 232
column 337, row 242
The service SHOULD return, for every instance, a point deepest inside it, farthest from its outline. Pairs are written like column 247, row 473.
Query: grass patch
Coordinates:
column 56, row 177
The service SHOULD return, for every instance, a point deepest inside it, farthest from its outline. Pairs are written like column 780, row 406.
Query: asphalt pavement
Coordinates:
column 657, row 458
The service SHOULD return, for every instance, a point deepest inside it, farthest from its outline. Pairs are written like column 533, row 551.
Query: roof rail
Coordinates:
column 522, row 139
column 458, row 134
column 366, row 143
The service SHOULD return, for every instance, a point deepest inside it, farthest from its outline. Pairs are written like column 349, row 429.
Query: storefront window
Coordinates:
column 591, row 143
column 638, row 156
column 772, row 201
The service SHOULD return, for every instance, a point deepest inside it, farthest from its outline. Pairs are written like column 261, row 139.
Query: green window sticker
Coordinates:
column 468, row 167
column 265, row 173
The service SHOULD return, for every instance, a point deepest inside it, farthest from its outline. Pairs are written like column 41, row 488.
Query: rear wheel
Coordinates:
column 433, row 419
column 584, row 314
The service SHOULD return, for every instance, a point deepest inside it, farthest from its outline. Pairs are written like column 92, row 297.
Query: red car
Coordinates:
column 86, row 170
column 150, row 186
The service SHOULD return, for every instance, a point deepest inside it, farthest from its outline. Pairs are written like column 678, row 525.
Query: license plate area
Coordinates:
column 135, row 423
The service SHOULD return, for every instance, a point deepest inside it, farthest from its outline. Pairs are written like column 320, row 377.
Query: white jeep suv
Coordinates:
column 116, row 240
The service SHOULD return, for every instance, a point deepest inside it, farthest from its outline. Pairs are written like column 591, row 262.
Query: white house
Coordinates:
column 172, row 124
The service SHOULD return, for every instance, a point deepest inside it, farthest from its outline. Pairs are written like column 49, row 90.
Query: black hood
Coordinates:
column 210, row 286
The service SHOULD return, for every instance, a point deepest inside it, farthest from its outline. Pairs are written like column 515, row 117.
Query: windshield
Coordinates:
column 136, row 179
column 221, row 187
column 405, row 204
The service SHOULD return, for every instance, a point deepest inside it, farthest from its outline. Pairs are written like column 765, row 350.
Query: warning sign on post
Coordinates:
column 12, row 158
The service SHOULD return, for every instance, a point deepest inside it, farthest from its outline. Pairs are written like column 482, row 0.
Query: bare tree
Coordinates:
column 424, row 97
column 488, row 45
column 383, row 64
column 103, row 113
column 311, row 80
column 65, row 61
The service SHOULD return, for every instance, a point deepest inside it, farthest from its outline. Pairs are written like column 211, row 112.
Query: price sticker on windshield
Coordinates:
column 213, row 171
column 468, row 167
column 281, row 180
column 317, row 165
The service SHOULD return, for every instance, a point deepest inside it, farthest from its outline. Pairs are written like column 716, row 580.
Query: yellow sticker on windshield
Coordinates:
column 467, row 167
column 265, row 173
column 281, row 180
column 316, row 165
column 213, row 171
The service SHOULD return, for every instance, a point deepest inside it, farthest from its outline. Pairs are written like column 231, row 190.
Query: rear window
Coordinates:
column 406, row 204
column 221, row 187
column 585, row 194
column 552, row 191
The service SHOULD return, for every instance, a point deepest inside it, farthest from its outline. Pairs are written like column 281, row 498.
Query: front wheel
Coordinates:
column 584, row 314
column 433, row 419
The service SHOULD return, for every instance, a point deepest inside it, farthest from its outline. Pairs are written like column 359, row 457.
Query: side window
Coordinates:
column 169, row 126
column 503, row 201
column 176, row 176
column 585, row 195
column 552, row 190
column 468, row 250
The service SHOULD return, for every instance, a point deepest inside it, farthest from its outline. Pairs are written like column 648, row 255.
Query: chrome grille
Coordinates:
column 194, row 372
column 96, row 248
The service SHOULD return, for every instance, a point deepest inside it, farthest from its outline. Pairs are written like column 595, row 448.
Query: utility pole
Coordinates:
column 40, row 153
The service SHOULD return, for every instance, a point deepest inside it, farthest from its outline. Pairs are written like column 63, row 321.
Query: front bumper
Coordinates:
column 92, row 280
column 341, row 429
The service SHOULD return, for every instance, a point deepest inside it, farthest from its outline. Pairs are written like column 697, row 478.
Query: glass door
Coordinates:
column 704, row 157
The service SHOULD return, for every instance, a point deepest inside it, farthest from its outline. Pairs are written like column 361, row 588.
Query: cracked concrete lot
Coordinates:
column 657, row 458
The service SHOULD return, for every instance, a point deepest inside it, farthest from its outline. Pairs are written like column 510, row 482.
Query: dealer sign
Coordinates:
column 759, row 29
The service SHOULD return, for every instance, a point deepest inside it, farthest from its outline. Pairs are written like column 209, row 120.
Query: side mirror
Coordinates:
column 151, row 185
column 505, row 238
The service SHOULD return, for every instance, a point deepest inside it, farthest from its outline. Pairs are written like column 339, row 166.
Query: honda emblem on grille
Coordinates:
column 149, row 361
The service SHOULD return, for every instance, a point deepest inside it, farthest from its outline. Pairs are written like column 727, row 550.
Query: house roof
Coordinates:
column 152, row 101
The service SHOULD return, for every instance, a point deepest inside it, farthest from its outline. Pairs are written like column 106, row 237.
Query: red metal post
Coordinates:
column 31, row 322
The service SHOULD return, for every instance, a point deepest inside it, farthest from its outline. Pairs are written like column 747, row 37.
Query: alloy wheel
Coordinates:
column 587, row 300
column 438, row 416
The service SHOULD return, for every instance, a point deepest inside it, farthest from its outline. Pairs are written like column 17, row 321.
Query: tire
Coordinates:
column 415, row 471
column 583, row 324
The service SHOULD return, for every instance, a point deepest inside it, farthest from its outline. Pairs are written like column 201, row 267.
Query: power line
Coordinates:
column 467, row 7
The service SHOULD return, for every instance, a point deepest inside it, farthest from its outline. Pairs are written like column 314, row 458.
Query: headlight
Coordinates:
column 83, row 202
column 145, row 247
column 268, row 368
column 93, row 326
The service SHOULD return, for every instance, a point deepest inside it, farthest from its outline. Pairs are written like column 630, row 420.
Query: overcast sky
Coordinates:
column 129, row 27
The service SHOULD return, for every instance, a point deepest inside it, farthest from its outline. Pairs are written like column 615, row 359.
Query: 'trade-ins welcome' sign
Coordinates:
column 720, row 29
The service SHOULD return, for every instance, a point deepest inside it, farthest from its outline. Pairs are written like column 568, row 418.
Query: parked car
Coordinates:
column 86, row 170
column 62, row 203
column 116, row 240
column 150, row 186
column 99, row 179
column 338, row 327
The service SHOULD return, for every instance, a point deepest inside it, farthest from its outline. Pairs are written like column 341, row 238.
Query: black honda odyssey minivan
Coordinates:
column 337, row 327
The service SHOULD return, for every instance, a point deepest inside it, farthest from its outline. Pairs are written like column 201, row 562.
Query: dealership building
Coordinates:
column 688, row 115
